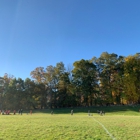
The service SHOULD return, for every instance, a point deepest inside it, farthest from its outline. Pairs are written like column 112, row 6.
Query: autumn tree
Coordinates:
column 132, row 78
column 38, row 74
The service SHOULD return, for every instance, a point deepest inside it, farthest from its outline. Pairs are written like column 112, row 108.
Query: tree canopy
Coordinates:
column 109, row 79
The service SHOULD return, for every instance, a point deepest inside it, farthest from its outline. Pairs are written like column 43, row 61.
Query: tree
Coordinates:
column 132, row 78
column 5, row 90
column 85, row 81
column 109, row 74
column 30, row 96
column 38, row 74
column 1, row 91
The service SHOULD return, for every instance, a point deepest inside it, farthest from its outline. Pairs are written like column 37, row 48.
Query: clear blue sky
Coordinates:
column 37, row 33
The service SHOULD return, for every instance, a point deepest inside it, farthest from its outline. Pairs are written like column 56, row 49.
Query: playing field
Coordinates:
column 80, row 126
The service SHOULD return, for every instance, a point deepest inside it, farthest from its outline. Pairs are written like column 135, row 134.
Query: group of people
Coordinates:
column 4, row 112
column 20, row 111
column 100, row 112
column 7, row 112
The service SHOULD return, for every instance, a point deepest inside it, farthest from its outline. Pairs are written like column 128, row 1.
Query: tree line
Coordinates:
column 109, row 79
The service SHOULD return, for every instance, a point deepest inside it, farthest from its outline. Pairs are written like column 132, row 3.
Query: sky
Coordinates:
column 39, row 33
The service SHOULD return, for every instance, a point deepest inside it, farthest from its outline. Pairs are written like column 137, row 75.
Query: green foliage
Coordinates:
column 109, row 79
column 110, row 73
column 85, row 81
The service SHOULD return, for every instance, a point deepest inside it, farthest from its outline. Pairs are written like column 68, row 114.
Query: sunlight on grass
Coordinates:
column 41, row 126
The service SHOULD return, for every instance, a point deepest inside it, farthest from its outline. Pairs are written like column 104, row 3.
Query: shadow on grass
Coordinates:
column 131, row 110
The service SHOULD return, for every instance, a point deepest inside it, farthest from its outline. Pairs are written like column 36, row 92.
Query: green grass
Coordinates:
column 123, row 123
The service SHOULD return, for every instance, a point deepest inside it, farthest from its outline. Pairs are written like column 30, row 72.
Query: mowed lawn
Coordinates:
column 80, row 126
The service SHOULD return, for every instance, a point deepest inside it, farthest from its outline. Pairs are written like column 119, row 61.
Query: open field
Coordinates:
column 123, row 124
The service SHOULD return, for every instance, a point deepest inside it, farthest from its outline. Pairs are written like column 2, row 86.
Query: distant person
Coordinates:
column 31, row 112
column 51, row 112
column 2, row 112
column 14, row 112
column 5, row 112
column 101, row 113
column 8, row 112
column 88, row 112
column 71, row 112
column 21, row 111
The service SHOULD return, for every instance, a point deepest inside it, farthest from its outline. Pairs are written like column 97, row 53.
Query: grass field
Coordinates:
column 119, row 123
